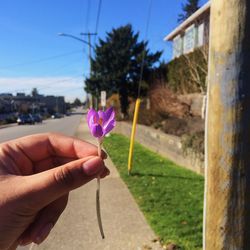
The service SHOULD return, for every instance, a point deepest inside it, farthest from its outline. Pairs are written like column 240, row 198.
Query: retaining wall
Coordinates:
column 166, row 145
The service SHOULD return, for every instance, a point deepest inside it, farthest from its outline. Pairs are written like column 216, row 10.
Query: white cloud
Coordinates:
column 70, row 87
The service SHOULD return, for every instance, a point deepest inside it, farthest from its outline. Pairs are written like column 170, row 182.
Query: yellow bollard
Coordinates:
column 132, row 138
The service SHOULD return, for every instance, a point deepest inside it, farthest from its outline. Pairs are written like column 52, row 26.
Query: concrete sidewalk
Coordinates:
column 124, row 225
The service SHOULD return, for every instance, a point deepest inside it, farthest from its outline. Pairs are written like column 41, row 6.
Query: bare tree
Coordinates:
column 196, row 68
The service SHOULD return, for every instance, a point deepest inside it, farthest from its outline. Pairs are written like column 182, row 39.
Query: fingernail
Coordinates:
column 105, row 173
column 24, row 242
column 92, row 166
column 42, row 235
column 104, row 155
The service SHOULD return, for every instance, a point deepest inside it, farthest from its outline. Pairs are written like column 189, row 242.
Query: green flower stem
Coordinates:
column 98, row 208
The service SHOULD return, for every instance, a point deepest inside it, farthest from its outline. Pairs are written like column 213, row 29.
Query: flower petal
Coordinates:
column 96, row 130
column 109, row 112
column 109, row 115
column 92, row 116
column 109, row 126
column 102, row 115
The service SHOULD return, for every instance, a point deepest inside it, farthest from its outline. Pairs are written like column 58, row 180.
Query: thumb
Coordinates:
column 45, row 187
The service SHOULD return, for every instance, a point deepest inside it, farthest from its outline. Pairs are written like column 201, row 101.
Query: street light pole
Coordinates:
column 76, row 38
column 89, row 45
column 90, row 63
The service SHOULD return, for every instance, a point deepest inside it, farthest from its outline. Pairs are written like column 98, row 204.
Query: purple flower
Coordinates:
column 101, row 122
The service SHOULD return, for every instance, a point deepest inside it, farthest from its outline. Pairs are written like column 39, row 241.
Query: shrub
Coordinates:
column 146, row 116
column 165, row 103
column 114, row 101
column 187, row 74
column 195, row 143
column 175, row 126
column 2, row 122
column 11, row 119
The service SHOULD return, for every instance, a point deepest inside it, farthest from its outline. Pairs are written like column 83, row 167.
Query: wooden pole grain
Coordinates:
column 227, row 191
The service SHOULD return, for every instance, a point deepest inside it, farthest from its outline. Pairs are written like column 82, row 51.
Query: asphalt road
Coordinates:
column 66, row 125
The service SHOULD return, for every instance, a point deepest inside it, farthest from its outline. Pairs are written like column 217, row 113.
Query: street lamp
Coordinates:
column 76, row 38
column 83, row 41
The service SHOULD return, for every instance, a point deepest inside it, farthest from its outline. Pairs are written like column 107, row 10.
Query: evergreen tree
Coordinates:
column 34, row 92
column 188, row 9
column 77, row 102
column 117, row 65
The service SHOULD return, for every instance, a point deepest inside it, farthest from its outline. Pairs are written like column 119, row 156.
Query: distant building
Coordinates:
column 23, row 103
column 54, row 104
column 2, row 95
column 20, row 94
column 6, row 103
column 192, row 33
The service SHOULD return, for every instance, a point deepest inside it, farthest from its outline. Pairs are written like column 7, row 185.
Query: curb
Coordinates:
column 8, row 125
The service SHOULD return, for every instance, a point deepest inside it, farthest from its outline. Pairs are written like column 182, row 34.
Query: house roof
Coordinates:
column 187, row 22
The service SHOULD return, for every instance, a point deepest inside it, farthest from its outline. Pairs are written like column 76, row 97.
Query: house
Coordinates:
column 192, row 33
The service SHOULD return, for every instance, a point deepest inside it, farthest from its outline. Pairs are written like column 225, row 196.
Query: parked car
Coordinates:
column 37, row 118
column 25, row 119
column 57, row 116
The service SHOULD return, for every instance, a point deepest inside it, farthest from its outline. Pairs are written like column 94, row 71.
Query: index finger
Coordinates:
column 41, row 146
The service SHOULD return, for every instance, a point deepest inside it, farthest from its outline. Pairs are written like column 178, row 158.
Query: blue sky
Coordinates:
column 33, row 55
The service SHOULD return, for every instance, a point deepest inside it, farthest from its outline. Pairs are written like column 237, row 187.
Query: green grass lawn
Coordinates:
column 170, row 196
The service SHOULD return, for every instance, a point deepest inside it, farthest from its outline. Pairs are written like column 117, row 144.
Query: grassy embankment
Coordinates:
column 170, row 196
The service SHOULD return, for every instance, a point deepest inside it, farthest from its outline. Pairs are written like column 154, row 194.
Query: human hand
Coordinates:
column 37, row 173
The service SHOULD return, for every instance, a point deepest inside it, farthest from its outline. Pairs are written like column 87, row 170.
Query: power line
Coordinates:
column 144, row 51
column 87, row 16
column 98, row 18
column 40, row 60
column 55, row 71
column 62, row 90
column 60, row 81
column 66, row 67
column 48, row 85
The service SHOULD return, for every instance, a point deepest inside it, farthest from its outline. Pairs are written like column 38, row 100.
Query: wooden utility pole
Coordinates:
column 90, row 63
column 227, row 192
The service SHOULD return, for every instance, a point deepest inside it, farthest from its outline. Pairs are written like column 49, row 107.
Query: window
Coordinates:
column 189, row 39
column 177, row 46
column 200, row 40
